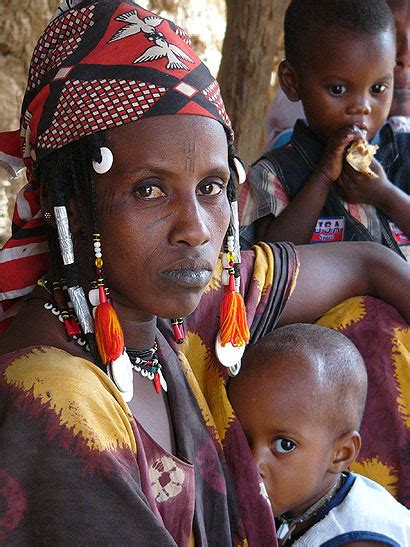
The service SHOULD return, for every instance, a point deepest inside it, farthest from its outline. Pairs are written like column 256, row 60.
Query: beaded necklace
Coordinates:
column 145, row 362
column 288, row 525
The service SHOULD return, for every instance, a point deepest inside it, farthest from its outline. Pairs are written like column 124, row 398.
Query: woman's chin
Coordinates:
column 183, row 308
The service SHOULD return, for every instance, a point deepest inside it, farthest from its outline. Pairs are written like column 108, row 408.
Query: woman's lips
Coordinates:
column 189, row 278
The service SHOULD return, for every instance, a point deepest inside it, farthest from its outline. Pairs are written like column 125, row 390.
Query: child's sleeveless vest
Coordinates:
column 294, row 162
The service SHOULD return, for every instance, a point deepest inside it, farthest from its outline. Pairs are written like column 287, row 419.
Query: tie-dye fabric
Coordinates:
column 74, row 464
column 383, row 339
column 74, row 467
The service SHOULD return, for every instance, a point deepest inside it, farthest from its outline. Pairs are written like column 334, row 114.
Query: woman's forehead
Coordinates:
column 159, row 130
column 163, row 140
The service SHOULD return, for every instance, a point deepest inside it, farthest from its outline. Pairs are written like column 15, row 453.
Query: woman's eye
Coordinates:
column 284, row 445
column 149, row 191
column 378, row 88
column 211, row 189
column 337, row 89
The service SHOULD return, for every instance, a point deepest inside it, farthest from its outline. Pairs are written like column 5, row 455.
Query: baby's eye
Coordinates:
column 210, row 189
column 378, row 88
column 337, row 89
column 284, row 445
column 150, row 191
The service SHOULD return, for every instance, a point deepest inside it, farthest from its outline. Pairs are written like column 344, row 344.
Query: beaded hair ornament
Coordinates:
column 100, row 64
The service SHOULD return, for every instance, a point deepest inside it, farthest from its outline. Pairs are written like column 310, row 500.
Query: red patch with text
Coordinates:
column 328, row 230
column 399, row 236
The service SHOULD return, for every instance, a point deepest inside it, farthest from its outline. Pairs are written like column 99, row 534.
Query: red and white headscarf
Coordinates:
column 99, row 64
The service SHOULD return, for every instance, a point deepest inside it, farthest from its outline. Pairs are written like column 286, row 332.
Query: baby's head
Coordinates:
column 300, row 397
column 340, row 58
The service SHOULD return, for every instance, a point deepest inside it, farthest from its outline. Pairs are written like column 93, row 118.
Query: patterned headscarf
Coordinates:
column 99, row 64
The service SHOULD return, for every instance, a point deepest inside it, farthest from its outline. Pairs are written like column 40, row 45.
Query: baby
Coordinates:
column 300, row 397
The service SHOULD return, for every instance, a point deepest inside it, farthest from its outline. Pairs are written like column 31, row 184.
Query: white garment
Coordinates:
column 367, row 512
column 281, row 116
column 399, row 124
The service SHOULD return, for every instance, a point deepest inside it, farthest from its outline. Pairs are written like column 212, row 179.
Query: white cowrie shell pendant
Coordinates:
column 106, row 161
column 240, row 171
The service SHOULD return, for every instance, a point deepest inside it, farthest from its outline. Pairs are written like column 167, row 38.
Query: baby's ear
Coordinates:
column 346, row 450
column 288, row 81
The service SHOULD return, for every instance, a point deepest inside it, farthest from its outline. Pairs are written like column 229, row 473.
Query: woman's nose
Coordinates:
column 190, row 226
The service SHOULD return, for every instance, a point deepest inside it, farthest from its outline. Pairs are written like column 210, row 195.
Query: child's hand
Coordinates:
column 331, row 164
column 357, row 188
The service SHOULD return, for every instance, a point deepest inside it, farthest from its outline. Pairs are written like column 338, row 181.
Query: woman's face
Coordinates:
column 163, row 212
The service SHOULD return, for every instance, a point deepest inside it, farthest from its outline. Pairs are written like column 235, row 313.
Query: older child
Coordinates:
column 283, row 113
column 300, row 398
column 340, row 58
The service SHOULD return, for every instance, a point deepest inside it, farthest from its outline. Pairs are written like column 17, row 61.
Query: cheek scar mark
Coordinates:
column 190, row 149
column 108, row 201
column 158, row 221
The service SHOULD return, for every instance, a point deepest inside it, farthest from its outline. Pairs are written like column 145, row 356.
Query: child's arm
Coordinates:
column 297, row 221
column 334, row 272
column 380, row 192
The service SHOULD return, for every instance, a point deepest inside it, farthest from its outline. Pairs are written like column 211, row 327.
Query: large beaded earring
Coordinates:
column 108, row 331
column 233, row 332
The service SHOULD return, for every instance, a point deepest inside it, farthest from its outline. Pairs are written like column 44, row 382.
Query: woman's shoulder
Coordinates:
column 43, row 358
column 46, row 370
column 47, row 382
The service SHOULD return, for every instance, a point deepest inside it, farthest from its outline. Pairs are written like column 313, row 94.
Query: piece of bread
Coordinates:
column 360, row 155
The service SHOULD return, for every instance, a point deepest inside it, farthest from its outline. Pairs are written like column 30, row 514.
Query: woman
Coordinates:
column 130, row 153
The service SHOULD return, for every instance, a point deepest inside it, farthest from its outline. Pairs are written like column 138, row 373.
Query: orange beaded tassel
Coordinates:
column 108, row 332
column 233, row 324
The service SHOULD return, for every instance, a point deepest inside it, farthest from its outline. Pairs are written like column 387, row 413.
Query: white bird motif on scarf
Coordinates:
column 161, row 49
column 135, row 25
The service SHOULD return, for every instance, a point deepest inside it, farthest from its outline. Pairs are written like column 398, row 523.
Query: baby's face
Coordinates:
column 348, row 80
column 291, row 447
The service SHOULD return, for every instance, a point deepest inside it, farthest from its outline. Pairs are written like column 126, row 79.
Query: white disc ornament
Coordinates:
column 228, row 355
column 106, row 161
column 121, row 372
column 240, row 171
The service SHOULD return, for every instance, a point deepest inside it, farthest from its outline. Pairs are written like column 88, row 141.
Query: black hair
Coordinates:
column 67, row 173
column 305, row 18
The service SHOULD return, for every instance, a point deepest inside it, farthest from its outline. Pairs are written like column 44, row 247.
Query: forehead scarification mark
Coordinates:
column 190, row 150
